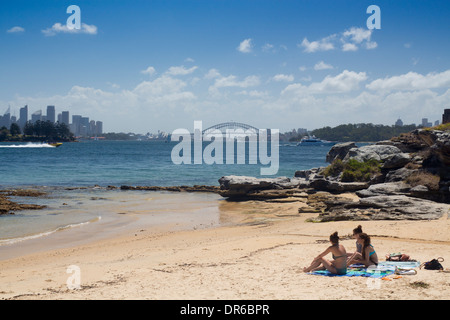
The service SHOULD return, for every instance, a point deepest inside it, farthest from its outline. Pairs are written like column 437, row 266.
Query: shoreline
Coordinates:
column 247, row 261
column 256, row 252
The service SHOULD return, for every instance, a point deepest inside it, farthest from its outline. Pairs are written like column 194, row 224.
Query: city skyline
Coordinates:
column 160, row 65
column 80, row 126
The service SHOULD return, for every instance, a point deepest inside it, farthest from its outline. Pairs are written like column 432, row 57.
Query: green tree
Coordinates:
column 4, row 132
column 15, row 129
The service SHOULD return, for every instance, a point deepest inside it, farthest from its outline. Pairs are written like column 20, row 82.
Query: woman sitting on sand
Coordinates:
column 356, row 232
column 368, row 255
column 338, row 265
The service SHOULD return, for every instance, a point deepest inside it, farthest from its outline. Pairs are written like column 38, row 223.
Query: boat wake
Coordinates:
column 28, row 145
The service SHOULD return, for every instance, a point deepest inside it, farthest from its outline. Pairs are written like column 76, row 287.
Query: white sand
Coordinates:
column 261, row 257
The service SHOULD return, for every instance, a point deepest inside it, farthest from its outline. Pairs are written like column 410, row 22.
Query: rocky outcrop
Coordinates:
column 243, row 187
column 380, row 153
column 9, row 207
column 413, row 181
column 339, row 151
column 385, row 207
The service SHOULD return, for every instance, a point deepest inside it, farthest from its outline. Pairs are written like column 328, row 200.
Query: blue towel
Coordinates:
column 357, row 272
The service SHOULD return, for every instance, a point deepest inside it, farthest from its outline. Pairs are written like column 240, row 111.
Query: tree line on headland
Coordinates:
column 361, row 132
column 37, row 131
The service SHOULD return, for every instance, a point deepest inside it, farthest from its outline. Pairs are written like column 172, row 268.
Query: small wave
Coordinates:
column 44, row 234
column 28, row 145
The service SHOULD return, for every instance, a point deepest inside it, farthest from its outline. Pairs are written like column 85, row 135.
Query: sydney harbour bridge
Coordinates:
column 231, row 125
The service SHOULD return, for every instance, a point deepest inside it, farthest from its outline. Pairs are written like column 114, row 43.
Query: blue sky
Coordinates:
column 147, row 65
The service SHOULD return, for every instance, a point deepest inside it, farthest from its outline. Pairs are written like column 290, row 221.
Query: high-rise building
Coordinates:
column 84, row 126
column 65, row 117
column 23, row 116
column 425, row 123
column 92, row 128
column 50, row 114
column 446, row 116
column 37, row 116
column 5, row 121
column 75, row 126
column 99, row 128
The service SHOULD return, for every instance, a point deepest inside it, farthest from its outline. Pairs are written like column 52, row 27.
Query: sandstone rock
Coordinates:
column 386, row 207
column 396, row 161
column 399, row 174
column 339, row 151
column 244, row 187
column 390, row 188
column 375, row 152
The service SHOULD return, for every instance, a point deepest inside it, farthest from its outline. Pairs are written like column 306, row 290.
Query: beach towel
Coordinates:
column 400, row 264
column 357, row 272
column 384, row 268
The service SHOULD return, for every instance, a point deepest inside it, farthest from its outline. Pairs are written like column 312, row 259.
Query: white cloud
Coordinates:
column 231, row 81
column 349, row 40
column 60, row 28
column 180, row 71
column 283, row 77
column 322, row 66
column 16, row 29
column 344, row 82
column 358, row 35
column 349, row 47
column 150, row 71
column 371, row 45
column 324, row 44
column 245, row 46
column 412, row 81
column 212, row 73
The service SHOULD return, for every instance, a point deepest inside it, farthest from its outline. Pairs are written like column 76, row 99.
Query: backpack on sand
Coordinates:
column 433, row 264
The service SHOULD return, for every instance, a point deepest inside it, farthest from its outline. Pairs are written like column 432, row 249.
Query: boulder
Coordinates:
column 385, row 207
column 375, row 152
column 396, row 161
column 390, row 188
column 399, row 174
column 244, row 186
column 339, row 151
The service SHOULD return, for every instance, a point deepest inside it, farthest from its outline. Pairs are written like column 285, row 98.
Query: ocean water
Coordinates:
column 118, row 163
column 88, row 167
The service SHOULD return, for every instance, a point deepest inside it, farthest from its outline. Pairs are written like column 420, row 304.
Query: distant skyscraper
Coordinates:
column 425, row 123
column 446, row 116
column 23, row 116
column 50, row 114
column 99, row 128
column 84, row 126
column 5, row 121
column 399, row 123
column 92, row 128
column 75, row 126
column 65, row 117
column 37, row 116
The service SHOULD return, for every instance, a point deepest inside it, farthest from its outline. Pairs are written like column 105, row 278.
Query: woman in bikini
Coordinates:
column 368, row 255
column 337, row 265
column 356, row 232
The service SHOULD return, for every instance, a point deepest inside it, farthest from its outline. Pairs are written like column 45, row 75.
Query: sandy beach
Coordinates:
column 256, row 252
